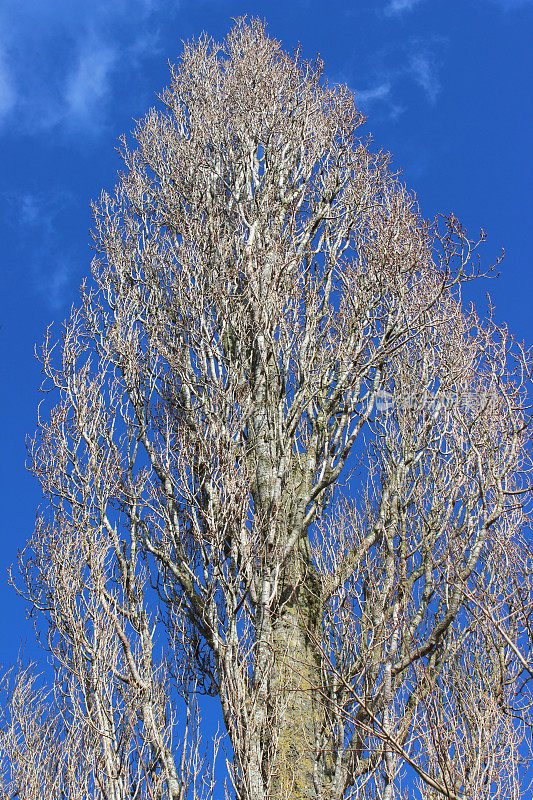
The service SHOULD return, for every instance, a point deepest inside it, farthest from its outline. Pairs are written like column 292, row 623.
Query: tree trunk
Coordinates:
column 297, row 676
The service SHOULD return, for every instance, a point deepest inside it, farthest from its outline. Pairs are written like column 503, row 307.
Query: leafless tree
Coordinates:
column 286, row 467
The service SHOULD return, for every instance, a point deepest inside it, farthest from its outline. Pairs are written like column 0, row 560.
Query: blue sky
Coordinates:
column 446, row 86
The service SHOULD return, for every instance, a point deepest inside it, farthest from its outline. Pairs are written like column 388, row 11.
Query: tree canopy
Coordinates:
column 284, row 466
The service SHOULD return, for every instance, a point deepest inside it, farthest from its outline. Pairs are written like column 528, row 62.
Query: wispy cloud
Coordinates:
column 58, row 282
column 29, row 212
column 88, row 86
column 41, row 218
column 378, row 96
column 379, row 92
column 508, row 5
column 79, row 53
column 424, row 74
column 399, row 6
column 7, row 90
column 412, row 63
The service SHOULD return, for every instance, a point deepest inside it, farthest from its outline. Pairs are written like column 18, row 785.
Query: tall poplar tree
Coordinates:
column 283, row 466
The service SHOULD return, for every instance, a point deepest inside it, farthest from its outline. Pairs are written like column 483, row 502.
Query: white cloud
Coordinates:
column 379, row 92
column 145, row 44
column 396, row 7
column 41, row 218
column 30, row 212
column 7, row 90
column 424, row 74
column 414, row 62
column 78, row 53
column 399, row 6
column 88, row 85
column 57, row 283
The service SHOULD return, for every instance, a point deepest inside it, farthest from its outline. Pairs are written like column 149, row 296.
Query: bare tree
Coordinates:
column 286, row 468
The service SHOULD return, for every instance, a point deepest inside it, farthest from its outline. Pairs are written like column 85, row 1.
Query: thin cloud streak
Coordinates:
column 424, row 75
column 7, row 90
column 508, row 5
column 380, row 92
column 41, row 218
column 89, row 85
column 417, row 64
column 100, row 41
column 399, row 6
